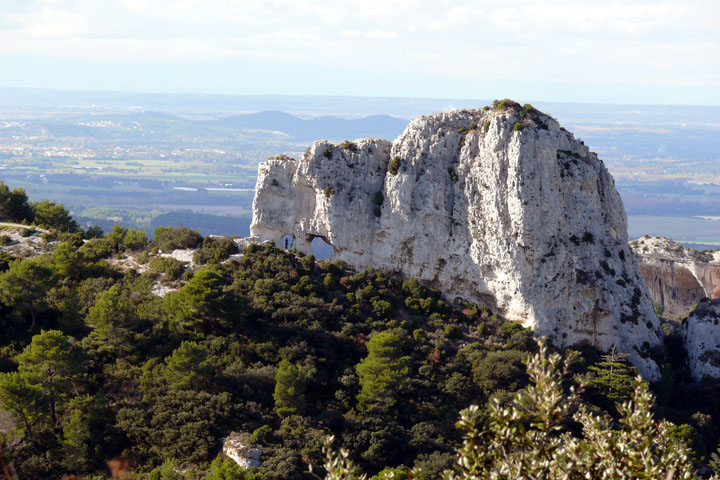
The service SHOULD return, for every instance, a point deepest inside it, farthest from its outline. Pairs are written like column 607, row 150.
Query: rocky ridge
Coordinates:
column 499, row 206
column 677, row 276
column 22, row 241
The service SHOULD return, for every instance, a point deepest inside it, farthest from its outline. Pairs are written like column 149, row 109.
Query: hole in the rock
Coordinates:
column 321, row 249
column 287, row 242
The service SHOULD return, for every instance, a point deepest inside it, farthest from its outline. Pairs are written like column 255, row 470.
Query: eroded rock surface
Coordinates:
column 237, row 447
column 678, row 277
column 504, row 208
column 702, row 339
column 21, row 241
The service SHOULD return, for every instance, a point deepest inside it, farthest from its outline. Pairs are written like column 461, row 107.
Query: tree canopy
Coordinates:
column 98, row 362
column 382, row 371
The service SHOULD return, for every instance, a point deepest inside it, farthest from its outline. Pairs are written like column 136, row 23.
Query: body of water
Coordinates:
column 702, row 231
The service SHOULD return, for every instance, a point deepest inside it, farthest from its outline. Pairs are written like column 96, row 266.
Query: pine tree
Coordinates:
column 382, row 371
column 25, row 286
column 614, row 380
column 53, row 364
column 529, row 438
column 290, row 384
column 187, row 368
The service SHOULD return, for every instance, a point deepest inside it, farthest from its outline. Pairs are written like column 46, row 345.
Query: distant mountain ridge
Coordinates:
column 329, row 126
column 152, row 123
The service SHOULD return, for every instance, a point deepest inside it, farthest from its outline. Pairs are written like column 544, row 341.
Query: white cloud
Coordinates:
column 380, row 34
column 454, row 17
column 633, row 41
column 135, row 5
column 49, row 23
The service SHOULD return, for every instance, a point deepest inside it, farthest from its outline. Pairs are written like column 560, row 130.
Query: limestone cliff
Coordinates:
column 499, row 206
column 678, row 277
column 702, row 339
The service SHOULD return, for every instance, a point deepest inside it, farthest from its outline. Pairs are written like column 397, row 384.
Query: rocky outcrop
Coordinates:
column 702, row 339
column 678, row 277
column 241, row 452
column 21, row 241
column 498, row 206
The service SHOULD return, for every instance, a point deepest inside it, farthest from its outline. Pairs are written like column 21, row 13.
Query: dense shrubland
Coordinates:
column 531, row 436
column 289, row 350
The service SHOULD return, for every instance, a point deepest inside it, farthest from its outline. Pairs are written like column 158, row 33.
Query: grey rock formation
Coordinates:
column 702, row 339
column 678, row 277
column 504, row 208
column 236, row 446
column 21, row 241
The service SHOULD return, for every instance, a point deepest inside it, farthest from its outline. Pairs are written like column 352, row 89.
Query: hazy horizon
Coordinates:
column 640, row 52
column 321, row 95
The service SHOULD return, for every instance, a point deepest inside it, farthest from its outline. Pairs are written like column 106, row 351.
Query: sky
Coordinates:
column 601, row 51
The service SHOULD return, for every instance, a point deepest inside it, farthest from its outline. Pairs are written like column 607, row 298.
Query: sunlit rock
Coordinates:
column 503, row 208
column 678, row 276
column 241, row 452
column 702, row 339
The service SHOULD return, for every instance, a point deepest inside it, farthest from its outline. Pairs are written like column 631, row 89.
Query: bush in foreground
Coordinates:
column 530, row 437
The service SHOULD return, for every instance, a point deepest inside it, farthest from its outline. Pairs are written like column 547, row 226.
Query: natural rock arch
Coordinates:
column 321, row 248
column 287, row 242
column 503, row 213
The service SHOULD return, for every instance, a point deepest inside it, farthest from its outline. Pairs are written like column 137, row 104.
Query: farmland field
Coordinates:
column 137, row 162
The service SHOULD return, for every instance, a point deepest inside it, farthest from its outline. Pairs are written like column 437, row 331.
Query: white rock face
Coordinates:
column 181, row 255
column 702, row 340
column 23, row 242
column 525, row 220
column 240, row 452
column 678, row 276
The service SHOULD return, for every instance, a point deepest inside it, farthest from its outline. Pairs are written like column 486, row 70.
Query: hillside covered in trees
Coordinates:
column 111, row 349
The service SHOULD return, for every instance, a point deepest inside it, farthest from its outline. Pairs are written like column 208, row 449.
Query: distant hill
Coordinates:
column 160, row 125
column 329, row 127
column 310, row 105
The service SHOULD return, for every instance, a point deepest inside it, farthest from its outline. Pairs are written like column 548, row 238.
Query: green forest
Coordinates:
column 288, row 351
